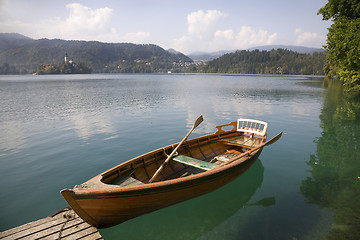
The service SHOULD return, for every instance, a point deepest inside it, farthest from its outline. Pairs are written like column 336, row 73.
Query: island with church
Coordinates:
column 68, row 67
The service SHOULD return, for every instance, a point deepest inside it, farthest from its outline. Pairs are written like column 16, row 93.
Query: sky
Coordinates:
column 187, row 26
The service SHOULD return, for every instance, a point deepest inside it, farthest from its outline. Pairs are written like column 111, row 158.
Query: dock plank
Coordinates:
column 64, row 225
column 28, row 226
column 83, row 234
column 67, row 230
column 38, row 229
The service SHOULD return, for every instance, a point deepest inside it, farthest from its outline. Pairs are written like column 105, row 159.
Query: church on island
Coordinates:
column 67, row 59
column 68, row 67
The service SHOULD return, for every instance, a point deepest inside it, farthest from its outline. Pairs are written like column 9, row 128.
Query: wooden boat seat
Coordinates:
column 240, row 141
column 251, row 130
column 194, row 162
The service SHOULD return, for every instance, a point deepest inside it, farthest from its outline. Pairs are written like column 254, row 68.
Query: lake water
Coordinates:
column 58, row 131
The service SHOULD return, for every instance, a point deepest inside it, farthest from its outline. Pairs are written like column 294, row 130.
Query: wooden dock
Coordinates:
column 65, row 224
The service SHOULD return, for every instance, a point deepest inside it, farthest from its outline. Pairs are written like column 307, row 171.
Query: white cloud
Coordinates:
column 226, row 40
column 225, row 34
column 223, row 39
column 79, row 14
column 85, row 20
column 205, row 34
column 309, row 39
column 183, row 44
column 82, row 23
column 248, row 37
column 201, row 24
column 17, row 27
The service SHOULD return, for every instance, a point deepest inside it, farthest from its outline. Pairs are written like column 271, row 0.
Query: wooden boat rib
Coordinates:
column 200, row 165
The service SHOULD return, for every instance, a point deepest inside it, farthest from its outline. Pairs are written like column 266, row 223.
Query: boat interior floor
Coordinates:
column 187, row 171
column 227, row 154
column 247, row 141
column 126, row 181
column 217, row 160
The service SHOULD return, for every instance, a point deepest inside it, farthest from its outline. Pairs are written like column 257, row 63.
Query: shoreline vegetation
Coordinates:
column 66, row 68
column 280, row 61
column 47, row 57
column 340, row 59
column 343, row 42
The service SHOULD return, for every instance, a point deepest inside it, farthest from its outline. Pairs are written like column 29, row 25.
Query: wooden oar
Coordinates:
column 271, row 141
column 197, row 123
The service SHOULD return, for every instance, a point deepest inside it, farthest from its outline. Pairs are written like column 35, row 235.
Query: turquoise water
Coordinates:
column 58, row 131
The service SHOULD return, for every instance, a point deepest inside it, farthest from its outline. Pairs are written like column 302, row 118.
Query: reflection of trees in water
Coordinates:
column 335, row 181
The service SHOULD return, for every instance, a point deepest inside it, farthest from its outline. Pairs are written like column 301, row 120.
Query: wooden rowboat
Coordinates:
column 169, row 175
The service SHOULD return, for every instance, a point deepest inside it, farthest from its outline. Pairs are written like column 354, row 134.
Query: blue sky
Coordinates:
column 186, row 26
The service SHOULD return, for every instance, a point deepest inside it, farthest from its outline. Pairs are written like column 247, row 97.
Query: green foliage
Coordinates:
column 101, row 57
column 280, row 61
column 343, row 42
column 66, row 68
column 340, row 8
column 6, row 69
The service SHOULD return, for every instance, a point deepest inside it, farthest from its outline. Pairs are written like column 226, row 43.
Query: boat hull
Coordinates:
column 200, row 165
column 104, row 209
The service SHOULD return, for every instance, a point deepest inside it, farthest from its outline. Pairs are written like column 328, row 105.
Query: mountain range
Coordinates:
column 26, row 53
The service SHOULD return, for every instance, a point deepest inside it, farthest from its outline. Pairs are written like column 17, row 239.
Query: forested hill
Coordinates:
column 280, row 61
column 13, row 40
column 27, row 54
column 20, row 54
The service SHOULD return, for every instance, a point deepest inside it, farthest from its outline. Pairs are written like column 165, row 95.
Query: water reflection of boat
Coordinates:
column 201, row 165
column 196, row 217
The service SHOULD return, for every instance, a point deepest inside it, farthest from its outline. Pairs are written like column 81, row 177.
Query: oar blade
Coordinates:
column 274, row 139
column 271, row 141
column 198, row 121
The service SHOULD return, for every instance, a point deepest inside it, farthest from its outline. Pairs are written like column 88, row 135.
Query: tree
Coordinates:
column 343, row 42
column 280, row 61
column 338, row 8
column 5, row 69
column 65, row 68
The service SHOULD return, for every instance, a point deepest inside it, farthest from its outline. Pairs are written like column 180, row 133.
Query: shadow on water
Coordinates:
column 196, row 217
column 265, row 202
column 335, row 168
